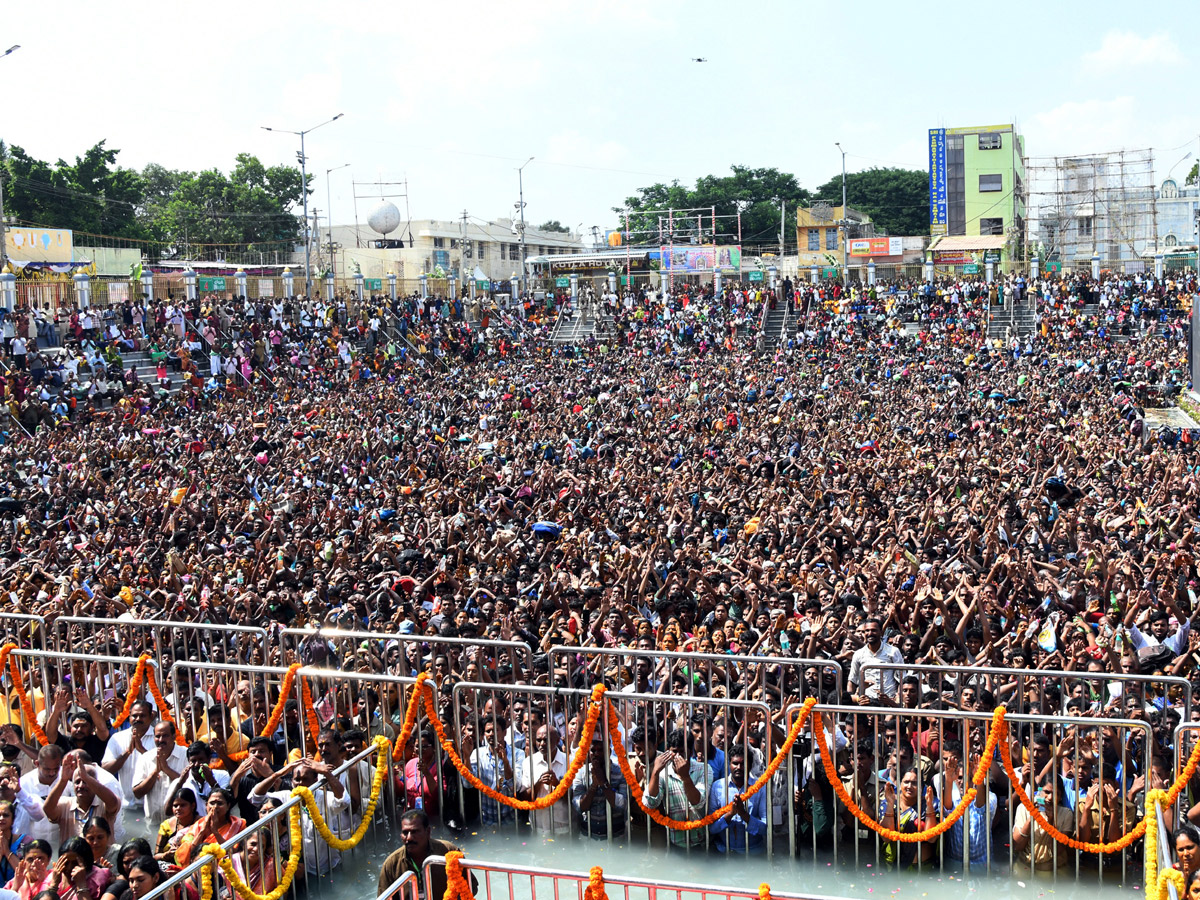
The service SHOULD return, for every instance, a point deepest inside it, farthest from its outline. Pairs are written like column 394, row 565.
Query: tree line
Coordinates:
column 173, row 211
column 897, row 200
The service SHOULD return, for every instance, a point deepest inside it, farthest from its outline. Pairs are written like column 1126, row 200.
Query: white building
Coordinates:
column 423, row 246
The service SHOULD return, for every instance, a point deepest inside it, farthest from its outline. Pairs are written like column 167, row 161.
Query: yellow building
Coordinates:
column 819, row 233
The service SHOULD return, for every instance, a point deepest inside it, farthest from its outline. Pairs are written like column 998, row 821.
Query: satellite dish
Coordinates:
column 385, row 219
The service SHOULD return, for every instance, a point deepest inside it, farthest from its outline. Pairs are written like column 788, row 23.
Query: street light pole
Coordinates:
column 845, row 230
column 304, row 197
column 329, row 212
column 521, row 188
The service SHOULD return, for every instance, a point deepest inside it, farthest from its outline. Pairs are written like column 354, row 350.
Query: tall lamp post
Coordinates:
column 521, row 188
column 329, row 212
column 845, row 230
column 304, row 196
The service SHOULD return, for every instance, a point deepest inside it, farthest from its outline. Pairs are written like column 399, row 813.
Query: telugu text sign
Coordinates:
column 938, row 217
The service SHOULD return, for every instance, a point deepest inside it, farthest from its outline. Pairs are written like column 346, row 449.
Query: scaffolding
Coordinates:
column 1099, row 204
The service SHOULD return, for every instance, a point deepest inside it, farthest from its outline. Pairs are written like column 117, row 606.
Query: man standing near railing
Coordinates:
column 599, row 794
column 541, row 773
column 679, row 785
column 875, row 686
column 418, row 845
column 743, row 829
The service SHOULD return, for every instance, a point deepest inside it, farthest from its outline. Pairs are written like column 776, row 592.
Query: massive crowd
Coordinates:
column 889, row 486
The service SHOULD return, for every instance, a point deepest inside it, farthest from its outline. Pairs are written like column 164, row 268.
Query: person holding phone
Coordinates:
column 200, row 776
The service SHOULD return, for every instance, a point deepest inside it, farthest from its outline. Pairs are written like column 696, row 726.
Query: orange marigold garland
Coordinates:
column 943, row 826
column 560, row 790
column 595, row 887
column 26, row 706
column 410, row 717
column 163, row 709
column 457, row 886
column 764, row 891
column 310, row 713
column 134, row 691
column 1034, row 813
column 693, row 824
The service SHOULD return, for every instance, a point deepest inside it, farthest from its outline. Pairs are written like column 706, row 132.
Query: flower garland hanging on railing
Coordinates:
column 941, row 827
column 27, row 710
column 218, row 854
column 318, row 820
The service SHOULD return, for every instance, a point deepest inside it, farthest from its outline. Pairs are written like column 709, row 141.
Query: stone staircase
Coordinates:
column 1019, row 317
column 576, row 328
column 773, row 328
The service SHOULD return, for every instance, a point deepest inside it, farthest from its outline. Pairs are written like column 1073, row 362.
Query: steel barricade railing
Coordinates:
column 272, row 676
column 1183, row 740
column 560, row 721
column 499, row 882
column 964, row 674
column 65, row 669
column 147, row 636
column 191, row 871
column 406, row 887
column 292, row 638
column 33, row 625
column 1061, row 787
column 711, row 661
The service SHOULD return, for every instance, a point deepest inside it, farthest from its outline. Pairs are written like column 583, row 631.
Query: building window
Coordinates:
column 990, row 140
column 504, row 251
column 514, row 252
column 989, row 183
column 1085, row 226
column 481, row 247
column 814, row 239
column 991, row 226
column 439, row 242
column 956, row 185
column 831, row 238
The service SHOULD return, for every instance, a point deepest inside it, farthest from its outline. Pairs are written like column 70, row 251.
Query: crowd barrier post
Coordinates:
column 147, row 635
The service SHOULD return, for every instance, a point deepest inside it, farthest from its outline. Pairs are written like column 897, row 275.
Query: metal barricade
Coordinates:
column 793, row 677
column 100, row 677
column 27, row 630
column 1164, row 854
column 499, row 881
column 1159, row 691
column 888, row 747
column 406, row 657
column 332, row 692
column 705, row 721
column 406, row 887
column 165, row 638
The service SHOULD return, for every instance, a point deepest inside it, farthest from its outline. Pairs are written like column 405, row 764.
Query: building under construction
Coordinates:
column 1101, row 204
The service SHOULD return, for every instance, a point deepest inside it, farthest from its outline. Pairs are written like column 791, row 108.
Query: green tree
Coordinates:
column 897, row 200
column 91, row 194
column 757, row 194
column 1193, row 175
column 555, row 226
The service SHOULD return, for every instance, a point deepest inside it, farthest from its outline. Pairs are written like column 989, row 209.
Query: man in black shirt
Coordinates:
column 87, row 730
column 256, row 767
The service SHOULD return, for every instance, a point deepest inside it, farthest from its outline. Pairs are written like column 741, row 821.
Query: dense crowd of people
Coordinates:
column 892, row 509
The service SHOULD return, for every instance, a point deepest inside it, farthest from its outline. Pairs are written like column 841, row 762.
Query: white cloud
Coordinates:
column 1085, row 126
column 1125, row 50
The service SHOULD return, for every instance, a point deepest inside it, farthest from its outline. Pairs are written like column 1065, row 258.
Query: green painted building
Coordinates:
column 977, row 183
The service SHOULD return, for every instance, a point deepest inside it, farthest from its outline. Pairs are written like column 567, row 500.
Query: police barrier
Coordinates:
column 166, row 639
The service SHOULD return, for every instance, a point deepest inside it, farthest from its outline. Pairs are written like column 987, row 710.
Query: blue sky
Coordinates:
column 455, row 95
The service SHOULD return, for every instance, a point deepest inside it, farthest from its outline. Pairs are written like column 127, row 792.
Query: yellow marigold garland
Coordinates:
column 916, row 837
column 596, row 706
column 217, row 852
column 318, row 820
column 764, row 891
column 692, row 824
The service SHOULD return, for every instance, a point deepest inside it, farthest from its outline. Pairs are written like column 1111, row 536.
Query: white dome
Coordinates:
column 385, row 219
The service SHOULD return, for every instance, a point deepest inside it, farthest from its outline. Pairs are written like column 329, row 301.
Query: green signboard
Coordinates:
column 754, row 276
column 483, row 285
column 215, row 283
column 373, row 284
column 1053, row 266
column 829, row 272
column 970, row 270
column 624, row 280
column 992, row 256
column 562, row 281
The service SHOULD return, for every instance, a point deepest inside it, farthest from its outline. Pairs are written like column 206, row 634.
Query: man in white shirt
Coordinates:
column 91, row 798
column 539, row 777
column 37, row 783
column 200, row 776
column 126, row 747
column 158, row 770
column 875, row 685
column 331, row 798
